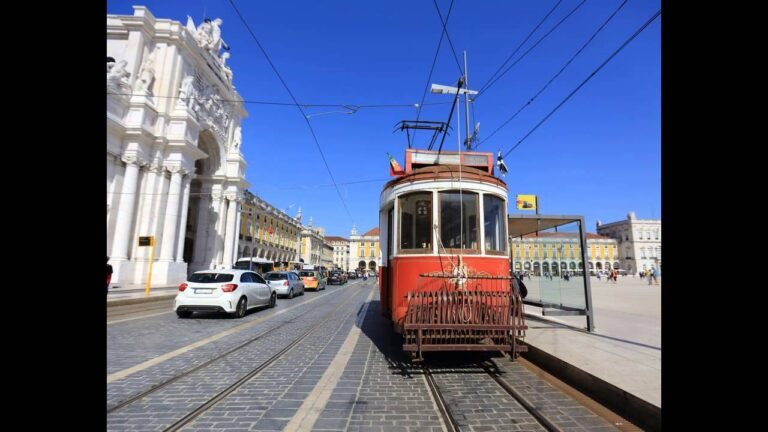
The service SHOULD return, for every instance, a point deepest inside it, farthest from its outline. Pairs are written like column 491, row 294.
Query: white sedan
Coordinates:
column 230, row 291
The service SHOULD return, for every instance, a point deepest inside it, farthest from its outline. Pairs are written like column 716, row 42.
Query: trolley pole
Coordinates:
column 466, row 100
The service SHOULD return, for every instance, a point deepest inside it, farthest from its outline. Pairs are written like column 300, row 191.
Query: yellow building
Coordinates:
column 267, row 232
column 556, row 253
column 364, row 250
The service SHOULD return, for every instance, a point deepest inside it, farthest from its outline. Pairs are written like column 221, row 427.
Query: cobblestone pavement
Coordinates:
column 162, row 408
column 376, row 390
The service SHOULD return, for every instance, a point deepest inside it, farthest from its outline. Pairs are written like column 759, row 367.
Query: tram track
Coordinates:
column 189, row 372
column 449, row 415
column 211, row 402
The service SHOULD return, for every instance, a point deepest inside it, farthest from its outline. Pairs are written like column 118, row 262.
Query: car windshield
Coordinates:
column 307, row 274
column 276, row 276
column 211, row 277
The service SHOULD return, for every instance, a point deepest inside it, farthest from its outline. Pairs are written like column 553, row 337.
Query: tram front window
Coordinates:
column 458, row 220
column 416, row 222
column 495, row 217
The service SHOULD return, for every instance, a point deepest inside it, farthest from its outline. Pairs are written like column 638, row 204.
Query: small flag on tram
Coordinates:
column 394, row 168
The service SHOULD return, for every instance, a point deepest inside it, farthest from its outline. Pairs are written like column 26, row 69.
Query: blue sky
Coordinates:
column 598, row 156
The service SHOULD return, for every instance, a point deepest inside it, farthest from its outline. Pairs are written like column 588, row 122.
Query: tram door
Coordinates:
column 387, row 291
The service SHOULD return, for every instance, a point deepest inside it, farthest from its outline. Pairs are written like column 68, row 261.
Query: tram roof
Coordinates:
column 453, row 172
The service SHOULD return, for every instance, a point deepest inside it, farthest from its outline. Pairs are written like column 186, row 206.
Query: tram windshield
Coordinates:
column 458, row 220
column 459, row 223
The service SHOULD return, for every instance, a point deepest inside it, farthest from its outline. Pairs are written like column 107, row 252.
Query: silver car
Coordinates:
column 285, row 283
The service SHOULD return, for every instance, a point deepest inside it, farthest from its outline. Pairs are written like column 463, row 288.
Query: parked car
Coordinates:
column 230, row 291
column 351, row 275
column 337, row 277
column 285, row 283
column 313, row 279
column 371, row 273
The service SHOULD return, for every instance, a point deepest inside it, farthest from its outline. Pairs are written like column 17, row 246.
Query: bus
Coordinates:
column 259, row 265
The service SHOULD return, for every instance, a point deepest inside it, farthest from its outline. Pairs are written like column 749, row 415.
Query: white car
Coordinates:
column 230, row 291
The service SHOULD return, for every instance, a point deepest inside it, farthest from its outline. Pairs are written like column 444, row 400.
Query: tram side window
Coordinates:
column 416, row 222
column 458, row 220
column 495, row 239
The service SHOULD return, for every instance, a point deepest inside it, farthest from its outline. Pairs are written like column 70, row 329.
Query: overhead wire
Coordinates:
column 522, row 43
column 554, row 77
column 630, row 39
column 490, row 84
column 431, row 69
column 298, row 105
column 257, row 102
column 448, row 36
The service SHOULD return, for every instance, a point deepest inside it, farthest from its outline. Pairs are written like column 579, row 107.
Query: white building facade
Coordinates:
column 313, row 245
column 341, row 249
column 174, row 167
column 639, row 241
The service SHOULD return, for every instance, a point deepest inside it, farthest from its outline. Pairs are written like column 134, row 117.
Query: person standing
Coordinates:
column 109, row 274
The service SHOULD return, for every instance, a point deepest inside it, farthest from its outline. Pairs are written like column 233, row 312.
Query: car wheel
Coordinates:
column 184, row 314
column 272, row 300
column 290, row 294
column 302, row 290
column 242, row 306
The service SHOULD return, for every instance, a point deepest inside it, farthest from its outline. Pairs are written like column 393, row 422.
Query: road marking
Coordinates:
column 167, row 356
column 138, row 317
column 313, row 406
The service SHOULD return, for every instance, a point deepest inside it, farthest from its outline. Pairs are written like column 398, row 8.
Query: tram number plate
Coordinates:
column 203, row 291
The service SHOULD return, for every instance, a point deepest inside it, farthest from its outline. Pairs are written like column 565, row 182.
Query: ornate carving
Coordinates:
column 143, row 84
column 133, row 159
column 173, row 169
column 117, row 76
column 237, row 139
column 211, row 111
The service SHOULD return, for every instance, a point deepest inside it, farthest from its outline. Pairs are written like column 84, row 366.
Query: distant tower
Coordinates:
column 310, row 222
column 354, row 230
column 631, row 215
column 298, row 215
column 598, row 223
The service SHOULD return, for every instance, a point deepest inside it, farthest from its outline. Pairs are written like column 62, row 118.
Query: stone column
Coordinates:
column 236, row 248
column 170, row 224
column 126, row 208
column 182, row 229
column 152, row 187
column 230, row 227
column 202, row 232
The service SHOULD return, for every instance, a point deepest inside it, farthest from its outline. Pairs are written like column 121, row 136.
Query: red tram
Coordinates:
column 445, row 281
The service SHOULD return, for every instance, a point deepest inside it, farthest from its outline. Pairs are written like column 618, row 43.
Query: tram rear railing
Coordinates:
column 468, row 313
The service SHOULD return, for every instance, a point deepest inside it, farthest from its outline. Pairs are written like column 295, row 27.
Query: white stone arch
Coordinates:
column 202, row 217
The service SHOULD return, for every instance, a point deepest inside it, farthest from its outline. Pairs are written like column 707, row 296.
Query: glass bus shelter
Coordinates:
column 549, row 253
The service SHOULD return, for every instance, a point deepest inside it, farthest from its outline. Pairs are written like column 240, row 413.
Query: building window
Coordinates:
column 657, row 234
column 642, row 252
